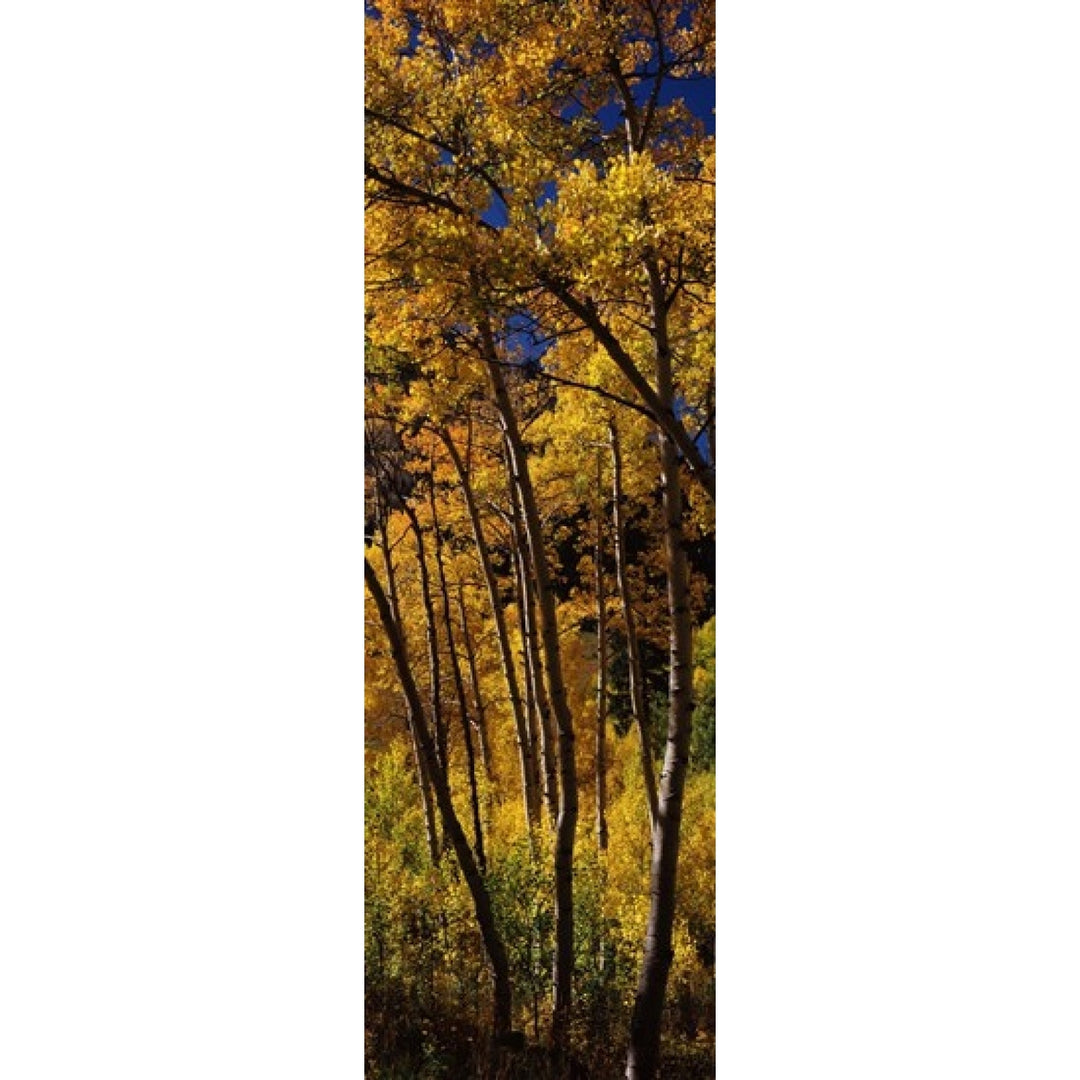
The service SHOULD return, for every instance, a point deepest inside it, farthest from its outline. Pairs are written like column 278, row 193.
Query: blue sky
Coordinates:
column 699, row 95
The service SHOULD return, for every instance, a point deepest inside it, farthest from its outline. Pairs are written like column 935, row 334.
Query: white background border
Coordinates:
column 899, row 555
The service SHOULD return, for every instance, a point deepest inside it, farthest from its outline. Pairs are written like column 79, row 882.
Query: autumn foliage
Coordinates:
column 539, row 483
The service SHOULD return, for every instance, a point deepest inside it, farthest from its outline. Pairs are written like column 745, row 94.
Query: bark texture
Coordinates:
column 434, row 663
column 601, row 672
column 549, row 635
column 529, row 788
column 637, row 677
column 459, row 687
column 422, row 778
column 478, row 698
column 534, row 668
column 645, row 1026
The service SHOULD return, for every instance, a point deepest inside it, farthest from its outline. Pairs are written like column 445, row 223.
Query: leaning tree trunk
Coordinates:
column 601, row 673
column 483, row 735
column 485, row 918
column 566, row 827
column 422, row 777
column 645, row 1024
column 528, row 667
column 529, row 787
column 534, row 670
column 637, row 677
column 434, row 667
column 459, row 686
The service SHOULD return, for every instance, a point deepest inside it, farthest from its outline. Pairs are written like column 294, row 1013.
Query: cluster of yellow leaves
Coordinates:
column 607, row 223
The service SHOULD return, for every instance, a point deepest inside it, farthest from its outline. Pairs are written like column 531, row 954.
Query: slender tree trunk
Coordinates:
column 638, row 708
column 422, row 778
column 485, row 918
column 479, row 706
column 459, row 686
column 529, row 788
column 645, row 1025
column 601, row 673
column 549, row 634
column 528, row 667
column 534, row 670
column 434, row 666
